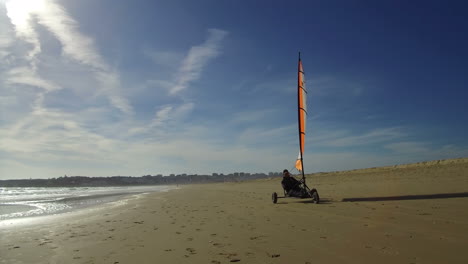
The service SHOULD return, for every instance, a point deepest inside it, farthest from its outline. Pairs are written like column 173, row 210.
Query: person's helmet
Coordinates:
column 285, row 170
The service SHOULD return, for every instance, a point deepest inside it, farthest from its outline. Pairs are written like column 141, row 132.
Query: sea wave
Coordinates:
column 26, row 202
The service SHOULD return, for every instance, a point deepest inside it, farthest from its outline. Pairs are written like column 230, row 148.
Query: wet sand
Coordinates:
column 400, row 214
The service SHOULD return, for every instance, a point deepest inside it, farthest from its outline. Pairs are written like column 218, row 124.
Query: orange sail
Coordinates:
column 302, row 114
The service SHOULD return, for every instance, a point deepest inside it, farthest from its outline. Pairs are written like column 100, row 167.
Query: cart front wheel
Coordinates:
column 274, row 197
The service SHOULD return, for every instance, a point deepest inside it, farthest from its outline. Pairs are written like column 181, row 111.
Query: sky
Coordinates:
column 113, row 87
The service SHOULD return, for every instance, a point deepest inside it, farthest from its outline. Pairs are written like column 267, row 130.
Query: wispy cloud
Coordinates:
column 21, row 14
column 190, row 70
column 171, row 113
column 6, row 36
column 27, row 76
column 76, row 46
column 346, row 139
column 197, row 58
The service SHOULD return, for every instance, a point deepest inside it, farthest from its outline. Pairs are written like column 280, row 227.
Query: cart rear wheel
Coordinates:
column 315, row 196
column 274, row 197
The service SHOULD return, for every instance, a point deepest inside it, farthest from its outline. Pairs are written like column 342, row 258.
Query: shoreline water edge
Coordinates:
column 25, row 202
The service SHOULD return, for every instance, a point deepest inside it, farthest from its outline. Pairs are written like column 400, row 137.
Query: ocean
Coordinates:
column 16, row 202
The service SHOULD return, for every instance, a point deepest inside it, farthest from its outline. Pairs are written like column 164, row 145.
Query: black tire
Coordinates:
column 315, row 196
column 274, row 197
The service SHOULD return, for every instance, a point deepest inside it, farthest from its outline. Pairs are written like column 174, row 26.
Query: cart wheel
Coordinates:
column 315, row 196
column 274, row 197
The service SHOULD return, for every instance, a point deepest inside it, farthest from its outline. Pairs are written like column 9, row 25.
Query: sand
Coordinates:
column 411, row 214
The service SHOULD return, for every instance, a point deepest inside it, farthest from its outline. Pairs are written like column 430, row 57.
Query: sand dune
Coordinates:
column 414, row 213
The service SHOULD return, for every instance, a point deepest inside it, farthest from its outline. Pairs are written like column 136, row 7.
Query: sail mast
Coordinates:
column 301, row 93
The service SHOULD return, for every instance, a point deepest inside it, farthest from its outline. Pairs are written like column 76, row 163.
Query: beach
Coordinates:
column 415, row 213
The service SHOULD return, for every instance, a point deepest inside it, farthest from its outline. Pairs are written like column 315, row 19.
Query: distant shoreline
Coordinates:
column 147, row 180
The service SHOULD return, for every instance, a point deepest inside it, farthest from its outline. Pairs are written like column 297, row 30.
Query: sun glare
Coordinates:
column 22, row 8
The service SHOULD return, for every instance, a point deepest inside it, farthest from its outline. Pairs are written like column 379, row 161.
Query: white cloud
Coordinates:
column 161, row 116
column 75, row 45
column 24, row 15
column 20, row 13
column 27, row 76
column 197, row 58
column 6, row 37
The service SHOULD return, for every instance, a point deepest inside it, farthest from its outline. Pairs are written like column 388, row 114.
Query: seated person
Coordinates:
column 290, row 184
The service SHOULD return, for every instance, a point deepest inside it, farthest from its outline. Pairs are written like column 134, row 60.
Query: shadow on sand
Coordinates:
column 322, row 201
column 406, row 197
column 304, row 201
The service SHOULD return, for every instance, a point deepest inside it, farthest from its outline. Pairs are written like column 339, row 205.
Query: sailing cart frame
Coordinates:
column 303, row 192
column 300, row 189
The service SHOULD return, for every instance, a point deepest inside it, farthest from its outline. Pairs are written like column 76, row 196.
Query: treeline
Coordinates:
column 84, row 181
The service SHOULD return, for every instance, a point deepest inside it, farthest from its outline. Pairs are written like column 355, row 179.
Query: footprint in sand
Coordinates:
column 191, row 250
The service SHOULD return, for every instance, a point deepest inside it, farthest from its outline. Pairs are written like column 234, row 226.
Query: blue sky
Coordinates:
column 105, row 87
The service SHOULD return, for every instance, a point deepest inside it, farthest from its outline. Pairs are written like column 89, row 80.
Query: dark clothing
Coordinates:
column 290, row 183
